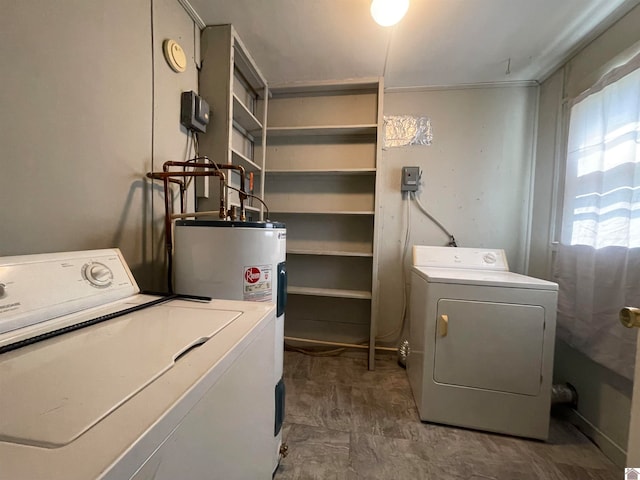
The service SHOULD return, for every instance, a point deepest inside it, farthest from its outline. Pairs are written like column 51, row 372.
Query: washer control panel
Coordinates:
column 37, row 288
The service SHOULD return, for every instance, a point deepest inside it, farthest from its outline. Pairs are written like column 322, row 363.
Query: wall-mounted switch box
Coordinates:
column 410, row 179
column 194, row 112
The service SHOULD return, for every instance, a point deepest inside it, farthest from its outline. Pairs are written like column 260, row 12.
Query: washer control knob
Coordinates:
column 2, row 289
column 489, row 258
column 98, row 274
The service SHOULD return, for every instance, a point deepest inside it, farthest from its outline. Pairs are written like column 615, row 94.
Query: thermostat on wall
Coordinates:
column 175, row 56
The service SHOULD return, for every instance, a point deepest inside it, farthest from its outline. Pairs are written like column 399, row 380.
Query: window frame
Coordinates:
column 562, row 133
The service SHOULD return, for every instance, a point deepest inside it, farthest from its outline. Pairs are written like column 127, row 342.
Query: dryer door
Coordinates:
column 492, row 346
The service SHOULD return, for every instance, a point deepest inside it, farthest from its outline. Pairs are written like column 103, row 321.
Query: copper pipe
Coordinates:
column 209, row 170
column 180, row 184
column 241, row 194
column 224, row 166
column 183, row 190
column 168, row 242
column 223, row 202
column 172, row 163
column 162, row 175
column 166, row 177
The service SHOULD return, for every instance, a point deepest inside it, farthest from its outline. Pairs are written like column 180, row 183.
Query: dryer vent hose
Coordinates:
column 564, row 393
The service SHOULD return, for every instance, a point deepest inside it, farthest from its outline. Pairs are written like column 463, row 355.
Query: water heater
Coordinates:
column 235, row 260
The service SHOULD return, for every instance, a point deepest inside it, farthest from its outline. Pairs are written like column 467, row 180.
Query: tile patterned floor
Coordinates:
column 345, row 422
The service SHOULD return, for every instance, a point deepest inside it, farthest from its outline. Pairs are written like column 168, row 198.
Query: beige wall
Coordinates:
column 476, row 179
column 603, row 409
column 78, row 118
column 169, row 137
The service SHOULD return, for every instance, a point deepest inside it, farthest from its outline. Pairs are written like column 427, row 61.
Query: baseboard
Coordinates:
column 611, row 449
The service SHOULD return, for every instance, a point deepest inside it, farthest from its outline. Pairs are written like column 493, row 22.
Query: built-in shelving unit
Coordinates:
column 323, row 145
column 238, row 94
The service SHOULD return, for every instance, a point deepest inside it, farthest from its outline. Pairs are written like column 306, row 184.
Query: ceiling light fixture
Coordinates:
column 388, row 12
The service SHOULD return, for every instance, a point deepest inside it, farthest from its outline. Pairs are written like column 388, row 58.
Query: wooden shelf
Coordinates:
column 329, row 292
column 244, row 117
column 333, row 253
column 338, row 212
column 322, row 130
column 322, row 171
column 239, row 159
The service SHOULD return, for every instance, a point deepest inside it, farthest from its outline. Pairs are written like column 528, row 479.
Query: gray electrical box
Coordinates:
column 410, row 179
column 194, row 112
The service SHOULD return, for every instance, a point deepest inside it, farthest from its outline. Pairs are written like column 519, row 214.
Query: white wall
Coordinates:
column 605, row 398
column 476, row 179
column 78, row 118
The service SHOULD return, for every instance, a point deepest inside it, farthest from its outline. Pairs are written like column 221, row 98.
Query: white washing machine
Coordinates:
column 482, row 342
column 235, row 260
column 98, row 381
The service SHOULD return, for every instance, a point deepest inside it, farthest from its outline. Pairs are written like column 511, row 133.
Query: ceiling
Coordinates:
column 439, row 42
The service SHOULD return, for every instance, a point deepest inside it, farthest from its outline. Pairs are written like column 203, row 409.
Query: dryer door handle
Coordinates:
column 443, row 325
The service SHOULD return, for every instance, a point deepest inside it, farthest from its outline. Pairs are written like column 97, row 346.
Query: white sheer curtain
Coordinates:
column 597, row 264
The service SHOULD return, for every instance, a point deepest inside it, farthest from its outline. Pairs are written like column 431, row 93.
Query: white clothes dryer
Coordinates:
column 481, row 342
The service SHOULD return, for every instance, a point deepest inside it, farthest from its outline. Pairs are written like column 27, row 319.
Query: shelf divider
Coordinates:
column 320, row 130
column 337, row 212
column 325, row 171
column 249, row 165
column 329, row 292
column 331, row 253
column 244, row 117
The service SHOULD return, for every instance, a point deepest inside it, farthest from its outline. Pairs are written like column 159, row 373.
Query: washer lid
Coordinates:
column 68, row 384
column 488, row 278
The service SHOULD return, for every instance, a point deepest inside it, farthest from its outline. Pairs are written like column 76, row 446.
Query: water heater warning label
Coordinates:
column 257, row 283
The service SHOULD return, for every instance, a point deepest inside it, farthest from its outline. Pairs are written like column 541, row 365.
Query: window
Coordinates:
column 602, row 183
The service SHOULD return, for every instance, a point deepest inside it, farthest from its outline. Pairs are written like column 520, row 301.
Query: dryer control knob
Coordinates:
column 489, row 258
column 98, row 274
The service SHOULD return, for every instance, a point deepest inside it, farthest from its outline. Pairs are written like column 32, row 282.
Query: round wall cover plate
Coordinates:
column 174, row 54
